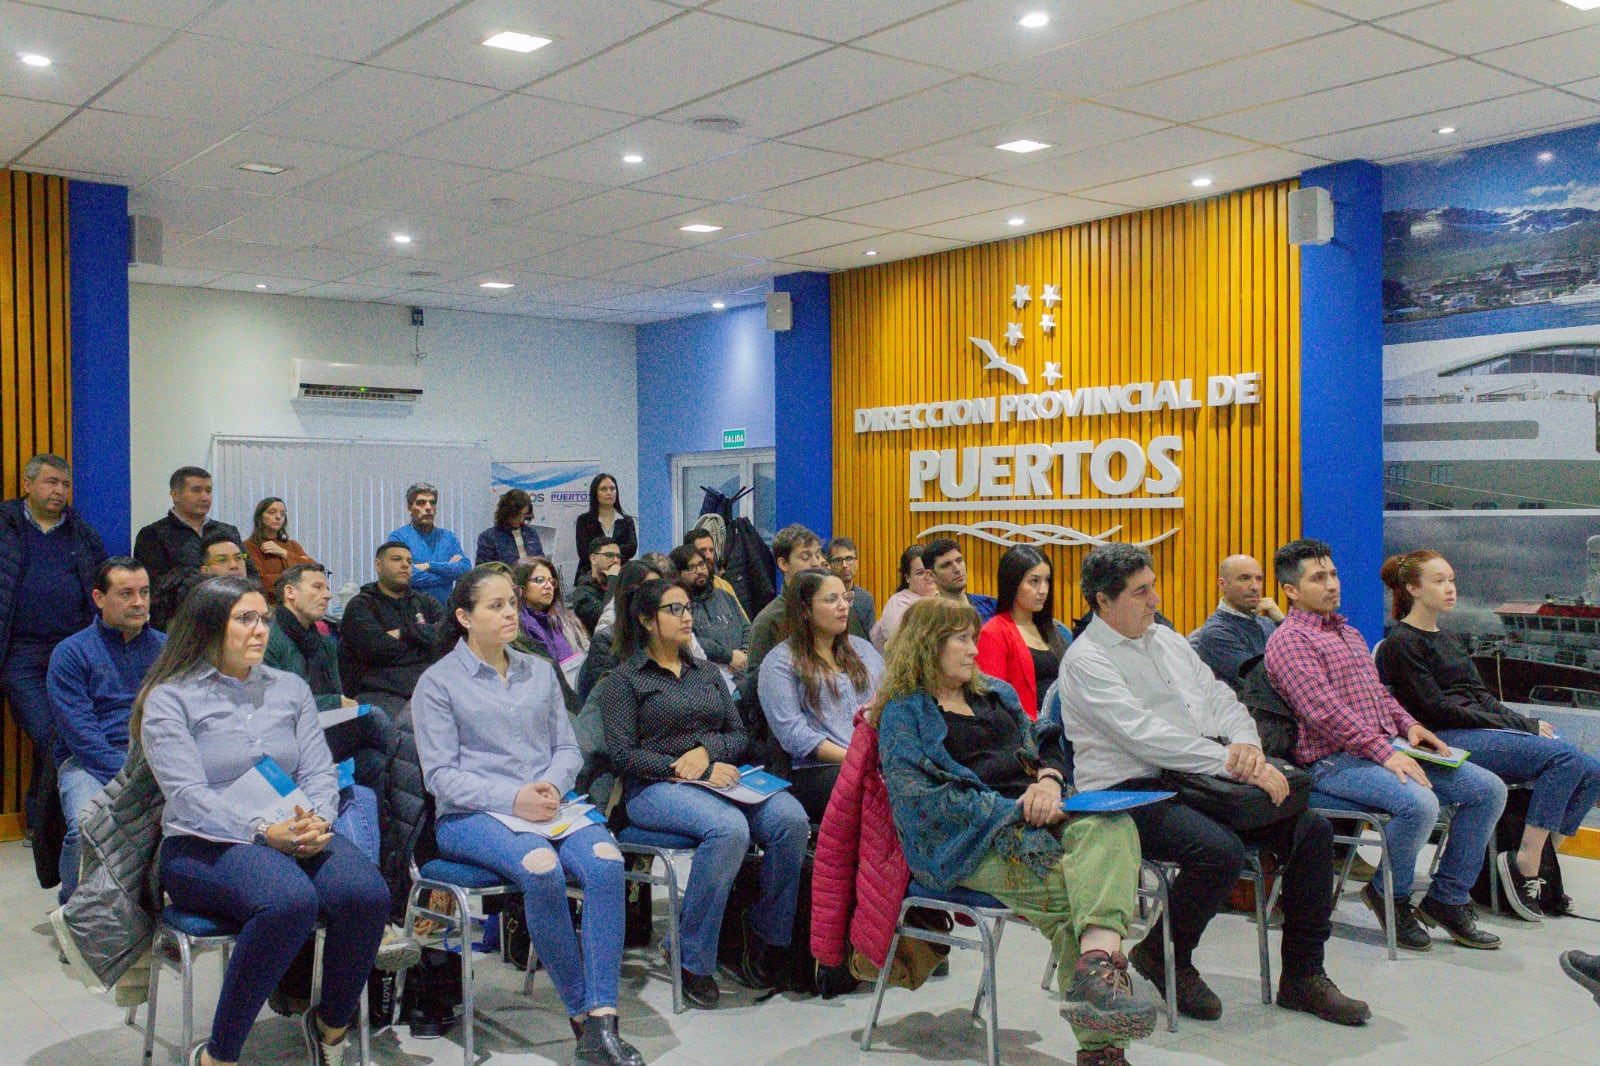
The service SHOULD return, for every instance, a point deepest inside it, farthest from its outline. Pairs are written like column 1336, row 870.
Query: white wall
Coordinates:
column 205, row 361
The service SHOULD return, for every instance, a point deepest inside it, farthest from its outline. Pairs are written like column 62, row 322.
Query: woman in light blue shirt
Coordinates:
column 207, row 715
column 496, row 743
column 812, row 684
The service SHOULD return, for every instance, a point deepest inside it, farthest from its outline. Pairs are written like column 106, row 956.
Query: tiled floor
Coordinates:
column 1450, row 1007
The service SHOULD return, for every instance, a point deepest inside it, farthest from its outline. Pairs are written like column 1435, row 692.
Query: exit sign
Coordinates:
column 732, row 438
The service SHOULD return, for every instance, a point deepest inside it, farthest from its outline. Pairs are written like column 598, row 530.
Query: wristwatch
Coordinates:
column 259, row 836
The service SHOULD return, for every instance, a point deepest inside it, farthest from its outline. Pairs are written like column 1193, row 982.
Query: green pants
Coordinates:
column 1096, row 883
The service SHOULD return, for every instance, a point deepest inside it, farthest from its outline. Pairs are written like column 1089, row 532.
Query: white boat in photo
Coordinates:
column 1583, row 294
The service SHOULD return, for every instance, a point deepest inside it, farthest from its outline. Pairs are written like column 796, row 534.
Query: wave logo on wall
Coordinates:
column 1041, row 535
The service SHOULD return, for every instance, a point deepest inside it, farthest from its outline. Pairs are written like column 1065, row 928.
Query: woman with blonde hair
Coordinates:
column 976, row 795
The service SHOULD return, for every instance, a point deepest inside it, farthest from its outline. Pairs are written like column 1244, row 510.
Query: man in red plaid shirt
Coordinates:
column 1349, row 728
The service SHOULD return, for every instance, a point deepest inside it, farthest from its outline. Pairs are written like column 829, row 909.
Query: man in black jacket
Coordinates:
column 386, row 634
column 597, row 584
column 174, row 540
column 48, row 559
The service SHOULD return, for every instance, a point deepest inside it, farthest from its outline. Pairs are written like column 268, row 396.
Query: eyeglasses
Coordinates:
column 676, row 610
column 250, row 619
column 238, row 557
column 842, row 560
column 540, row 579
column 609, row 553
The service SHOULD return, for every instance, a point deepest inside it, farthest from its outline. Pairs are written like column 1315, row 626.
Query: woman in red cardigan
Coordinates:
column 1022, row 644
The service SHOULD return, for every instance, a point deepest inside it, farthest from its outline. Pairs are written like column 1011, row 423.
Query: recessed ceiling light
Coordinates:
column 872, row 251
column 1545, row 157
column 496, row 285
column 34, row 59
column 402, row 238
column 1583, row 5
column 699, row 227
column 1445, row 131
column 262, row 168
column 1022, row 147
column 633, row 157
column 1015, row 220
column 1200, row 182
column 260, row 285
column 716, row 123
column 717, row 305
column 1033, row 20
column 422, row 273
column 517, row 42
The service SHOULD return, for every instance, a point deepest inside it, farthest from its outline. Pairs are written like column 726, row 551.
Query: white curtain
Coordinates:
column 344, row 497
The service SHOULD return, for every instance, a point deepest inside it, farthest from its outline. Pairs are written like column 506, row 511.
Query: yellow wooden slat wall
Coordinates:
column 1210, row 287
column 35, row 381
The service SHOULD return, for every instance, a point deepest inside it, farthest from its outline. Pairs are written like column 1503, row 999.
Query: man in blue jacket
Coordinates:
column 94, row 676
column 48, row 556
column 437, row 559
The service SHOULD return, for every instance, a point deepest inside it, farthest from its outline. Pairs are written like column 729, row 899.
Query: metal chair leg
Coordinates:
column 1263, row 946
column 186, row 956
column 150, row 999
column 882, row 986
column 464, row 924
column 674, row 937
column 991, row 948
column 985, row 987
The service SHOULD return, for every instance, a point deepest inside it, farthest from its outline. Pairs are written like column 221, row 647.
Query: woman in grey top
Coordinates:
column 208, row 715
column 496, row 745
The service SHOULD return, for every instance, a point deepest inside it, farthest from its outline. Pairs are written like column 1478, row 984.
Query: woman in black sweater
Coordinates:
column 605, row 517
column 1432, row 674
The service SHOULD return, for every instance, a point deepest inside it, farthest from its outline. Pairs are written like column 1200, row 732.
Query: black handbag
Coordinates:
column 1239, row 806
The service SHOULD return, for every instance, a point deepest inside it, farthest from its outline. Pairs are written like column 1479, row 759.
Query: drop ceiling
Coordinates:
column 861, row 126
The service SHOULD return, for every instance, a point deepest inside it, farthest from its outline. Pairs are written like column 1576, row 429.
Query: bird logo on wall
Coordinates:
column 1021, row 297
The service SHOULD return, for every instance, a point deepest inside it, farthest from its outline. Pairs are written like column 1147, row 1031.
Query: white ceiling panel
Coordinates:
column 229, row 82
column 848, row 188
column 1074, row 128
column 1590, row 88
column 144, row 274
column 1051, row 213
column 513, row 130
column 1236, row 172
column 442, row 300
column 403, row 273
column 507, row 197
column 755, row 280
column 262, row 283
column 615, row 210
column 890, row 246
column 426, row 233
column 1480, row 123
column 815, row 90
column 453, row 46
column 940, row 204
column 704, row 54
column 340, row 290
column 749, row 171
column 294, row 222
column 1174, row 146
column 24, row 121
column 735, row 220
column 318, row 265
column 1371, row 9
column 678, row 267
column 802, row 236
column 588, row 291
column 306, row 162
column 216, row 253
column 596, row 256
column 1412, row 92
column 1297, row 69
column 1197, row 35
column 529, row 283
column 87, row 53
column 500, row 245
column 1552, row 60
column 170, row 13
column 192, row 209
column 392, row 181
column 832, row 20
column 933, row 115
column 1469, row 26
column 358, row 108
column 665, row 146
column 132, row 147
column 337, row 30
column 675, row 301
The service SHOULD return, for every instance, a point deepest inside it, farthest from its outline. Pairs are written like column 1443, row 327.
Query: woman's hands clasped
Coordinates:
column 300, row 837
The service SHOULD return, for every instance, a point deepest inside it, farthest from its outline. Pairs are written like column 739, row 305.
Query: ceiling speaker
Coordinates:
column 780, row 311
column 1310, row 216
column 144, row 240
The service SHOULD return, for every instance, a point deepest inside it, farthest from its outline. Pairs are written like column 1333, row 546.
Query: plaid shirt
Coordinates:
column 1323, row 669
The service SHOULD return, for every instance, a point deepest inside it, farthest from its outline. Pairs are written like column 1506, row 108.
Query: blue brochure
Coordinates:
column 1107, row 802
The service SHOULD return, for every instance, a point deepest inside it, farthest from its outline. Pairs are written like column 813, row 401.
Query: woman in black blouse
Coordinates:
column 669, row 721
column 1432, row 674
column 605, row 517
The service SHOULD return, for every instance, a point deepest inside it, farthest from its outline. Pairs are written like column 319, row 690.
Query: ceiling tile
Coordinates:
column 1409, row 93
column 170, row 13
column 1297, row 69
column 1370, row 9
column 848, row 188
column 191, row 208
column 1050, row 213
column 1069, row 129
column 678, row 267
column 529, row 283
column 665, row 146
column 749, row 171
column 501, row 245
column 937, row 205
column 263, row 284
column 513, row 130
column 132, row 147
column 1470, row 26
column 144, row 274
column 890, row 246
column 802, row 236
column 228, row 82
column 307, row 161
column 87, row 53
column 662, row 299
column 832, row 20
column 735, row 220
column 935, row 114
column 1237, row 172
column 1172, row 147
column 596, row 256
column 403, row 273
column 616, row 210
column 453, row 46
column 358, row 108
column 1590, row 88
column 391, row 181
column 508, row 197
column 978, row 34
column 340, row 290
column 24, row 121
column 1197, row 35
column 443, row 300
column 819, row 89
column 426, row 233
column 590, row 291
column 1551, row 60
column 294, row 222
column 703, row 52
column 216, row 253
column 317, row 265
column 339, row 30
column 755, row 279
column 1491, row 120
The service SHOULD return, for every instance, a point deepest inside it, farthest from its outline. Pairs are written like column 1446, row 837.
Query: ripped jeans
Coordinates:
column 586, row 980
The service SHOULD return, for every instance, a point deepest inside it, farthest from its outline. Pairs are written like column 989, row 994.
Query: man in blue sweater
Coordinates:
column 93, row 678
column 1237, row 631
column 436, row 556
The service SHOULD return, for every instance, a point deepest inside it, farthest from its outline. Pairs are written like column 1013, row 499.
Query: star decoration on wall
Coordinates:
column 1013, row 334
column 1052, row 373
column 1047, row 322
column 1021, row 296
column 1052, row 295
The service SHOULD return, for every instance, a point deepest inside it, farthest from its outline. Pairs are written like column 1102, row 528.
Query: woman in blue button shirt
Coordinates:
column 494, row 739
column 206, row 716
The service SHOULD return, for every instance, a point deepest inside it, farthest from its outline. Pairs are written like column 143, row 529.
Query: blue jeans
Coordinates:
column 77, row 786
column 585, row 980
column 22, row 684
column 277, row 900
column 358, row 819
column 1566, row 782
column 724, row 830
column 1479, row 797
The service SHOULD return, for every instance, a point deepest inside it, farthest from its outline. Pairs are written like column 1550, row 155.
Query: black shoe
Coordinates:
column 1408, row 932
column 755, row 970
column 599, row 1045
column 1584, row 969
column 1523, row 894
column 1459, row 920
column 700, row 990
column 1195, row 998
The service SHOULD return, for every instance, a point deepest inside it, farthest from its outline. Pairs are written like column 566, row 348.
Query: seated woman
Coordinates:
column 602, row 657
column 494, row 739
column 1022, row 644
column 206, row 715
column 978, row 805
column 512, row 539
column 812, row 683
column 1432, row 674
column 270, row 547
column 916, row 583
column 552, row 631
column 669, row 721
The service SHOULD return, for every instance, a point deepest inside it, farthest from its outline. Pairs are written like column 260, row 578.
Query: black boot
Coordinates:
column 601, row 1046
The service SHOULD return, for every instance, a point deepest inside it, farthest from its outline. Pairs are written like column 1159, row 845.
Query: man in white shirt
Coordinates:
column 1137, row 700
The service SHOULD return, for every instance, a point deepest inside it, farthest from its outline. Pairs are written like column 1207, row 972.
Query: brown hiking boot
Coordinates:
column 1195, row 998
column 1101, row 998
column 1106, row 1056
column 1318, row 995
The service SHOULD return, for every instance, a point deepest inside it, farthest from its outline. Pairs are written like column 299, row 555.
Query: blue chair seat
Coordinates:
column 655, row 838
column 198, row 925
column 1323, row 801
column 460, row 873
column 965, row 897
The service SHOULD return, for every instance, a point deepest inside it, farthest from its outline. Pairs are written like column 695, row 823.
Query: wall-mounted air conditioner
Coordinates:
column 313, row 379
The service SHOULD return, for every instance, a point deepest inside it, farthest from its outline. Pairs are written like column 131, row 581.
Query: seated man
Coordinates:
column 221, row 555
column 1349, row 724
column 704, row 541
column 844, row 560
column 795, row 548
column 386, row 634
column 596, row 585
column 1137, row 700
column 93, row 677
column 1238, row 629
column 944, row 560
column 719, row 621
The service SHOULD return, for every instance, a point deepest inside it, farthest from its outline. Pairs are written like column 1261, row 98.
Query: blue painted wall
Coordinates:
column 1341, row 387
column 803, row 376
column 97, row 218
column 697, row 377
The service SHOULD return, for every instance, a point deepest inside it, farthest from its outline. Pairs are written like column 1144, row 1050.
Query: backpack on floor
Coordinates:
column 1508, row 837
column 796, row 967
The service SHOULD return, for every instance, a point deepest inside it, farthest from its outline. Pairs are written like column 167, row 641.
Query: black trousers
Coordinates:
column 812, row 786
column 1210, row 858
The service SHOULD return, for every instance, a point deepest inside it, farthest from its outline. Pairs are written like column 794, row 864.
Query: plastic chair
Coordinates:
column 988, row 915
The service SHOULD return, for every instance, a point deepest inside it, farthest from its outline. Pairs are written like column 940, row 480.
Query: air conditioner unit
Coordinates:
column 357, row 382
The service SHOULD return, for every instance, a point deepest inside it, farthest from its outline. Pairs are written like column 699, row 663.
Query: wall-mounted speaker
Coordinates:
column 1310, row 216
column 144, row 240
column 780, row 311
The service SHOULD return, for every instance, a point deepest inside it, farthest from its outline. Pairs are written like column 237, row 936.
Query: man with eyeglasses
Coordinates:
column 174, row 542
column 719, row 624
column 704, row 541
column 844, row 560
column 437, row 558
column 598, row 584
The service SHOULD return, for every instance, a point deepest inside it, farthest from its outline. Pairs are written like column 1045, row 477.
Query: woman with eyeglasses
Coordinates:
column 916, row 583
column 549, row 629
column 670, row 721
column 812, row 684
column 269, row 545
column 207, row 714
column 605, row 518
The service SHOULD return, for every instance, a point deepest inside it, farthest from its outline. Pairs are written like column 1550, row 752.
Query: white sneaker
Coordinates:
column 397, row 952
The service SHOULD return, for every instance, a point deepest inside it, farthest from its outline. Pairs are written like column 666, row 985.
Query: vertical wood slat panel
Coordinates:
column 1210, row 287
column 35, row 382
